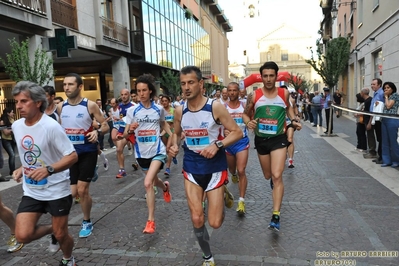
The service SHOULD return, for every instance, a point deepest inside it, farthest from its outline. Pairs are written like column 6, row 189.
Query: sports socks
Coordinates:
column 203, row 241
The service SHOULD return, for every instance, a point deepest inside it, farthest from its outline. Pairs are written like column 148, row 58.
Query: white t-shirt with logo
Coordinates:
column 40, row 145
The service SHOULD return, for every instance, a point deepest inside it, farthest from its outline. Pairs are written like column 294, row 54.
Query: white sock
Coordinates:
column 102, row 155
column 241, row 199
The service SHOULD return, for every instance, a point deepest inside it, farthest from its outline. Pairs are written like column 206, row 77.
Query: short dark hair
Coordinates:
column 49, row 89
column 149, row 80
column 269, row 65
column 188, row 69
column 78, row 78
column 379, row 81
column 390, row 84
column 59, row 98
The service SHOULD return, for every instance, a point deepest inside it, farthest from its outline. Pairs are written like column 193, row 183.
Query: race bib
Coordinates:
column 197, row 139
column 33, row 183
column 76, row 136
column 169, row 118
column 267, row 126
column 146, row 137
column 238, row 118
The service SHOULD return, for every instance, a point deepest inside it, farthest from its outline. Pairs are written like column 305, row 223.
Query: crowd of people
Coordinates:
column 59, row 155
column 377, row 136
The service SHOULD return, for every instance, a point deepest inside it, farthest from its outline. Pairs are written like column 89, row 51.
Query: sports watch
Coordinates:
column 219, row 144
column 50, row 169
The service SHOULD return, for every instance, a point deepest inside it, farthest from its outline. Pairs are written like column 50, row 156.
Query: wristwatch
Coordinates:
column 50, row 170
column 219, row 144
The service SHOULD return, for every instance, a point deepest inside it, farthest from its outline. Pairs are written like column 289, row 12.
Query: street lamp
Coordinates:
column 334, row 9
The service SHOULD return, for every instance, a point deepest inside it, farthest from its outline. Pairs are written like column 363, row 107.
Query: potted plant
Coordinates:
column 188, row 14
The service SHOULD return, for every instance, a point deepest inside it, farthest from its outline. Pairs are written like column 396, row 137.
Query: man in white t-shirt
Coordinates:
column 46, row 155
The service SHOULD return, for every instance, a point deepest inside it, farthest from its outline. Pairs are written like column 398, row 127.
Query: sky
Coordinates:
column 304, row 15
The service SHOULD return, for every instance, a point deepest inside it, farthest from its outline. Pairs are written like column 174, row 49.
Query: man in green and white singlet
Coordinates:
column 265, row 113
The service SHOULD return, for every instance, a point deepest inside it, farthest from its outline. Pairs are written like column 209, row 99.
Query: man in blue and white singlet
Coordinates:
column 77, row 120
column 117, row 132
column 204, row 161
column 146, row 120
column 237, row 154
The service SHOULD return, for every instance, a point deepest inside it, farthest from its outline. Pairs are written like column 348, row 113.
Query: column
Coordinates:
column 120, row 75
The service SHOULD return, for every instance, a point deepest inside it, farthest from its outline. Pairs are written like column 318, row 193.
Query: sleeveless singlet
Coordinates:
column 201, row 130
column 77, row 122
column 236, row 114
column 270, row 113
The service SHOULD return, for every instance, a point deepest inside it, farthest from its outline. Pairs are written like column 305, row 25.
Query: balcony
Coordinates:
column 114, row 31
column 64, row 14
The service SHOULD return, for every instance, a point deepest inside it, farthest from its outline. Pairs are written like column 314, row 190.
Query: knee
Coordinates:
column 83, row 192
column 241, row 172
column 23, row 236
column 198, row 220
column 216, row 223
column 60, row 235
column 119, row 149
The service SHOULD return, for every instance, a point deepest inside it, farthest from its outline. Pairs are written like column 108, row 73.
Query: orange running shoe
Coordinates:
column 149, row 227
column 166, row 194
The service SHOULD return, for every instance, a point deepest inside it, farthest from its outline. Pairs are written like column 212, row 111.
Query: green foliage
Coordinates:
column 171, row 82
column 166, row 63
column 299, row 82
column 188, row 14
column 19, row 66
column 331, row 64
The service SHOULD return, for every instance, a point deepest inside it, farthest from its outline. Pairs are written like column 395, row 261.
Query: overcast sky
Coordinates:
column 304, row 15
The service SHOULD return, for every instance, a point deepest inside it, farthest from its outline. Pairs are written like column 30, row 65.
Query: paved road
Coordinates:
column 335, row 201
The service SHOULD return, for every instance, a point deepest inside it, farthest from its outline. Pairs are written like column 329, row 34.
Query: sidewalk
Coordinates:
column 335, row 201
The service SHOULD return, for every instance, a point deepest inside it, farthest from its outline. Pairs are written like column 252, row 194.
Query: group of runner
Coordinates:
column 215, row 141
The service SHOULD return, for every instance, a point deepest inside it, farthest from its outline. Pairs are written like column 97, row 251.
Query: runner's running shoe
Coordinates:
column 275, row 223
column 149, row 227
column 234, row 178
column 291, row 163
column 77, row 199
column 166, row 194
column 167, row 172
column 241, row 208
column 228, row 198
column 86, row 229
column 106, row 166
column 121, row 173
column 54, row 245
column 174, row 160
column 13, row 244
column 70, row 262
column 135, row 166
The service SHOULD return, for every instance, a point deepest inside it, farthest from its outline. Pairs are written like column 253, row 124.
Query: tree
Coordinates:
column 299, row 82
column 334, row 62
column 166, row 63
column 170, row 81
column 19, row 66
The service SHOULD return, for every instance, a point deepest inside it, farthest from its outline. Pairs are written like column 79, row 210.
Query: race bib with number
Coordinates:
column 197, row 139
column 33, row 183
column 238, row 118
column 76, row 136
column 147, row 137
column 267, row 126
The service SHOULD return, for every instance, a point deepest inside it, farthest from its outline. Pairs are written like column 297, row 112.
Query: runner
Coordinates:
column 266, row 113
column 237, row 154
column 77, row 115
column 46, row 154
column 145, row 121
column 117, row 132
column 7, row 216
column 165, row 101
column 204, row 162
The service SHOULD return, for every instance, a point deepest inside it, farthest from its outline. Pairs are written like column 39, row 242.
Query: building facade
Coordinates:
column 114, row 41
column 373, row 30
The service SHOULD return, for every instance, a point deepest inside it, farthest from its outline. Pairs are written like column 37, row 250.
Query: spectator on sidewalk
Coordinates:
column 360, row 126
column 316, row 110
column 338, row 100
column 376, row 86
column 389, row 127
column 327, row 109
column 366, row 118
column 7, row 137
